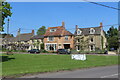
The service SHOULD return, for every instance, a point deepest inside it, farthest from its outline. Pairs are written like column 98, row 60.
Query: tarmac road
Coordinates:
column 97, row 72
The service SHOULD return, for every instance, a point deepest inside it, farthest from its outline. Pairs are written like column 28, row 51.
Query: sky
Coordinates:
column 61, row 0
column 33, row 15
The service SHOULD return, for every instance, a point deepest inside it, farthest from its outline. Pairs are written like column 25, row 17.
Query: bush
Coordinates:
column 44, row 51
column 15, row 50
column 92, row 52
column 73, row 51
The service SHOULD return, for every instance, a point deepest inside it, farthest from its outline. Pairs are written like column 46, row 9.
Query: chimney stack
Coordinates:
column 63, row 24
column 33, row 32
column 76, row 27
column 101, row 25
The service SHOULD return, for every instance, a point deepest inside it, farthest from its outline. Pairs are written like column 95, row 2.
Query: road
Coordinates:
column 98, row 72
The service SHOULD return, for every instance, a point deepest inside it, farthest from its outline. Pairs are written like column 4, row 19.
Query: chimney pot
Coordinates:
column 101, row 25
column 32, row 31
column 76, row 27
column 63, row 24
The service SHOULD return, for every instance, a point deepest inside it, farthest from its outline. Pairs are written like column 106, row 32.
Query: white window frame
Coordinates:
column 77, row 48
column 93, row 48
column 51, row 44
column 49, row 38
column 79, row 32
column 92, row 31
column 92, row 41
column 53, row 30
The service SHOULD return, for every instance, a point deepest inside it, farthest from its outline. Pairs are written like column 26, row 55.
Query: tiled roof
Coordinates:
column 24, row 37
column 20, row 37
column 38, row 37
column 67, row 33
column 10, row 39
column 86, row 31
column 60, row 31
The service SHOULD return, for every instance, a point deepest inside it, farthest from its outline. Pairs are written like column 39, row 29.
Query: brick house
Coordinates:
column 57, row 38
column 90, row 39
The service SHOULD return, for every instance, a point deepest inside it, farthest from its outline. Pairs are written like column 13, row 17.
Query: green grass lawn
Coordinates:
column 32, row 63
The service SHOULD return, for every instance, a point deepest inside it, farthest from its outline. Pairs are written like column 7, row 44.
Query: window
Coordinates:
column 78, row 48
column 78, row 40
column 91, row 39
column 66, row 38
column 78, row 32
column 92, row 31
column 50, row 38
column 92, row 48
column 59, row 44
column 51, row 47
column 53, row 30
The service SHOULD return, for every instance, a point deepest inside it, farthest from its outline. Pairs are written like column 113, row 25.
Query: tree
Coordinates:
column 41, row 30
column 5, row 35
column 83, row 43
column 5, row 12
column 112, row 37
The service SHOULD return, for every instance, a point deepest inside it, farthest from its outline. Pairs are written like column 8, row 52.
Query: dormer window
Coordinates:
column 92, row 31
column 79, row 32
column 53, row 30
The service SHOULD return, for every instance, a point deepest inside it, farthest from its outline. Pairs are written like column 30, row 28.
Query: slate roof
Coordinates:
column 60, row 31
column 86, row 31
column 10, row 39
column 20, row 37
column 24, row 37
column 38, row 37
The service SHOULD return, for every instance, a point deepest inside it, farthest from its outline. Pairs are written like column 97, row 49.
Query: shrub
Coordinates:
column 73, row 51
column 44, row 51
column 92, row 52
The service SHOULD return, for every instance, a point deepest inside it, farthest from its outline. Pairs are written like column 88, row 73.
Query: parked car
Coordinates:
column 34, row 51
column 112, row 49
column 106, row 52
column 63, row 51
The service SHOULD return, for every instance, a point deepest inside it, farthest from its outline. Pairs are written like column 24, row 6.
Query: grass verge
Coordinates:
column 19, row 64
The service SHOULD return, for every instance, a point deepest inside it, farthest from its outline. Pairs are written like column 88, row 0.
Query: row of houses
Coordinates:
column 87, row 39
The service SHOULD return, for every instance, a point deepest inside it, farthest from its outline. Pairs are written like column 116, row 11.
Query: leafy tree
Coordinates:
column 42, row 46
column 5, row 12
column 112, row 32
column 4, row 35
column 82, row 42
column 112, row 37
column 41, row 30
